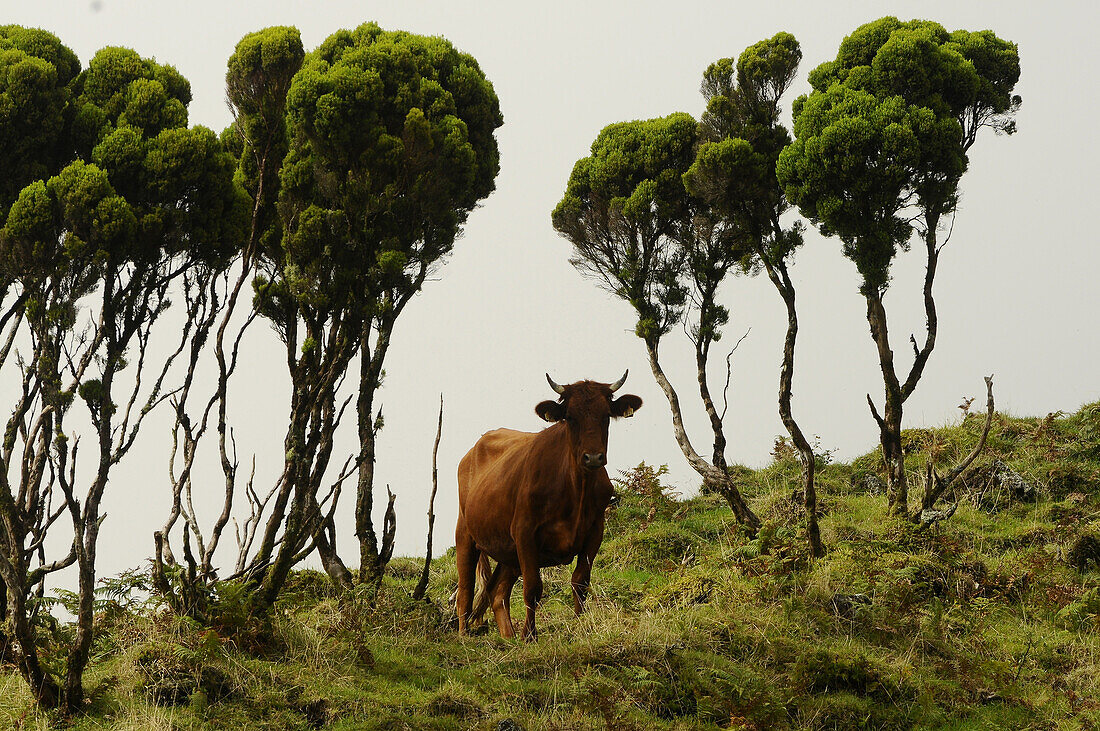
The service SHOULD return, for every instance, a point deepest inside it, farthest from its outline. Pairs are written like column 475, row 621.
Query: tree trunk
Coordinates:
column 330, row 560
column 5, row 643
column 364, row 489
column 78, row 654
column 935, row 486
column 717, row 479
column 890, row 421
column 371, row 563
column 46, row 691
column 718, row 456
column 920, row 357
column 786, row 377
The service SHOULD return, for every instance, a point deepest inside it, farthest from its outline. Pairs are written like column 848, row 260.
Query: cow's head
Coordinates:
column 586, row 408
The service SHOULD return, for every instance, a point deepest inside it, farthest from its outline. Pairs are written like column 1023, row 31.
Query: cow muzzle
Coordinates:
column 593, row 461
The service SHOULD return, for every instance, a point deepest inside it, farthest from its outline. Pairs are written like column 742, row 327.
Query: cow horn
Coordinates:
column 618, row 384
column 557, row 389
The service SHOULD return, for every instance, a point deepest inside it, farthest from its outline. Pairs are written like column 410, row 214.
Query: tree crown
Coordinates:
column 880, row 143
column 391, row 146
column 620, row 205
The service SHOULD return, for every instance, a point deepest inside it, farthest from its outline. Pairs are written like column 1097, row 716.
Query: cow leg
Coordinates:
column 502, row 600
column 532, row 584
column 582, row 574
column 466, row 557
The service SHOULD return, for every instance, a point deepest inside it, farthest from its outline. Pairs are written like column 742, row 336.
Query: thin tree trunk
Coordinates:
column 718, row 479
column 4, row 642
column 43, row 687
column 87, row 521
column 920, row 357
column 702, row 341
column 718, row 456
column 934, row 485
column 371, row 564
column 890, row 421
column 330, row 559
column 897, row 393
column 364, row 492
column 783, row 283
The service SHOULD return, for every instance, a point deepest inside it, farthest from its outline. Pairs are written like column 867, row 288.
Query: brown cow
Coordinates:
column 533, row 500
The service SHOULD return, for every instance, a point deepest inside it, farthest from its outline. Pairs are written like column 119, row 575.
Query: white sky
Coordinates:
column 1014, row 291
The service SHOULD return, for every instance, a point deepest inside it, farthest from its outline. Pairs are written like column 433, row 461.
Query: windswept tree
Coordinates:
column 637, row 231
column 734, row 173
column 93, row 251
column 36, row 77
column 257, row 81
column 879, row 152
column 390, row 146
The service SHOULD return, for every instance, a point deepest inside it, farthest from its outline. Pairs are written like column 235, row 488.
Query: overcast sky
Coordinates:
column 1015, row 288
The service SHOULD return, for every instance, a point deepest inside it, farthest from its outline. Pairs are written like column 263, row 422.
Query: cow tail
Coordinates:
column 486, row 583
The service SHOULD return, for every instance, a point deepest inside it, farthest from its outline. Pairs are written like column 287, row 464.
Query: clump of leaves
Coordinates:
column 829, row 670
column 173, row 674
column 658, row 546
column 1083, row 613
column 645, row 482
column 1084, row 554
column 694, row 586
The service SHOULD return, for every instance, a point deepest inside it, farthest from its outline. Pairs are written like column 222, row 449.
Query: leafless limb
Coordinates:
column 422, row 585
column 935, row 486
column 729, row 371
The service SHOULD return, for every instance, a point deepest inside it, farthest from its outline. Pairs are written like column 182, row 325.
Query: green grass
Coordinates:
column 990, row 620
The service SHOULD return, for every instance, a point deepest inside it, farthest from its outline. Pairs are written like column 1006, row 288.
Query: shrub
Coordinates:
column 695, row 586
column 831, row 671
column 656, row 546
column 1084, row 554
column 172, row 674
column 1082, row 614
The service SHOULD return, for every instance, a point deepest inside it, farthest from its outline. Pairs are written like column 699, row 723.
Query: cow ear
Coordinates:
column 550, row 411
column 625, row 405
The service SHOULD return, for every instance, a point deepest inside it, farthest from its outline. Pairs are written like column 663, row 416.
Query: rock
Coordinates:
column 844, row 605
column 995, row 485
column 870, row 483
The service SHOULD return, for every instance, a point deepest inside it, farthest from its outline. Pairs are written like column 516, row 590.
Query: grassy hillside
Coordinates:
column 989, row 620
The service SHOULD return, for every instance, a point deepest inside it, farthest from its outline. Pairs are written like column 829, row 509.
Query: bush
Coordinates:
column 172, row 674
column 656, row 546
column 831, row 671
column 1084, row 554
column 1082, row 614
column 695, row 586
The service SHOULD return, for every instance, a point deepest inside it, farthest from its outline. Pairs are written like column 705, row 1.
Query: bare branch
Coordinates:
column 725, row 389
column 422, row 585
column 936, row 486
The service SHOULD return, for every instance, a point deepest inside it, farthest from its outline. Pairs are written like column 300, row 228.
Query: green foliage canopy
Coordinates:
column 622, row 206
column 132, row 122
column 391, row 147
column 881, row 140
column 36, row 78
column 740, row 141
column 257, row 81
